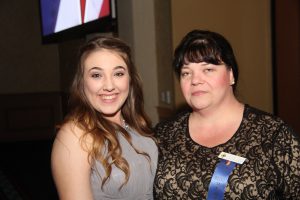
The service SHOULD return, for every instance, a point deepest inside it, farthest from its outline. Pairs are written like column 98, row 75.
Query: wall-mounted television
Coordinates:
column 62, row 20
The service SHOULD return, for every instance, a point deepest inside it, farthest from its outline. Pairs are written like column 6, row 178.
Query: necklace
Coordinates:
column 125, row 125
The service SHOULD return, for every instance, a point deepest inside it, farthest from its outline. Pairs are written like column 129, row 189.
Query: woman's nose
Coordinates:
column 108, row 85
column 197, row 78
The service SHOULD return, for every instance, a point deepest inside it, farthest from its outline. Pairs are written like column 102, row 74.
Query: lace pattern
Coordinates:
column 271, row 171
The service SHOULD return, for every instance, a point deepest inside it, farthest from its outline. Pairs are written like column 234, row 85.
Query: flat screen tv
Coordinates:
column 62, row 20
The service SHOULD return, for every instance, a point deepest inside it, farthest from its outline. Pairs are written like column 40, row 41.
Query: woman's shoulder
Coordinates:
column 69, row 130
column 257, row 114
column 175, row 120
column 266, row 119
column 70, row 134
column 170, row 127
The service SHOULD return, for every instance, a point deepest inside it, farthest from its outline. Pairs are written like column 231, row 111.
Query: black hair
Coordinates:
column 205, row 46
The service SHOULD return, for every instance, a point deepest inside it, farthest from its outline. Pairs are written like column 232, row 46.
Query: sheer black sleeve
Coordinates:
column 286, row 158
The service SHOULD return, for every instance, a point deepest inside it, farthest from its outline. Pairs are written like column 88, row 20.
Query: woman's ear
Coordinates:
column 231, row 78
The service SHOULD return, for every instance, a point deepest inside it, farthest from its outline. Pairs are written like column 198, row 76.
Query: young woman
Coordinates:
column 222, row 148
column 104, row 149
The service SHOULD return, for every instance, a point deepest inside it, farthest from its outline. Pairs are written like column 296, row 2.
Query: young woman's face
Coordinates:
column 106, row 82
column 204, row 85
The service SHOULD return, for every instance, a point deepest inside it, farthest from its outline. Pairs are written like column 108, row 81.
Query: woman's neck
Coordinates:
column 216, row 126
column 218, row 113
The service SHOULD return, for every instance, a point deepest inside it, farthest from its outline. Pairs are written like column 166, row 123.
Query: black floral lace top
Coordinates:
column 271, row 169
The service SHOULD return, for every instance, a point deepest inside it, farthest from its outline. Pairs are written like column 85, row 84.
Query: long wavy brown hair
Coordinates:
column 102, row 131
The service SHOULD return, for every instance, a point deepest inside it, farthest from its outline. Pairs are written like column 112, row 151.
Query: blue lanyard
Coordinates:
column 219, row 180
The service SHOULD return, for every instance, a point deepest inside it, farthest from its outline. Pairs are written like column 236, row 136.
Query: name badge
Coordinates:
column 221, row 174
column 232, row 158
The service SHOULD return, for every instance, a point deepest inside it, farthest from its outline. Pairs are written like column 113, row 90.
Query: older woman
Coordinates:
column 223, row 148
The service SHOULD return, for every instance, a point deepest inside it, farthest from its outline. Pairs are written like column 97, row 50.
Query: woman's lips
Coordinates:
column 198, row 93
column 108, row 97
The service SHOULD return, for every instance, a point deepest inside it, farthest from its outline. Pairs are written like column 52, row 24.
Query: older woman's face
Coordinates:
column 205, row 85
column 106, row 82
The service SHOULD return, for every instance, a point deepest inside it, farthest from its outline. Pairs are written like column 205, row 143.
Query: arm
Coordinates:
column 287, row 159
column 70, row 167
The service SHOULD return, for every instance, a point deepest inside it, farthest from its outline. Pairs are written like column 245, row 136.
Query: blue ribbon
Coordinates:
column 219, row 180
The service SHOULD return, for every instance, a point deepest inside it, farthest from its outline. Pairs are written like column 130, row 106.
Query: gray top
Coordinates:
column 140, row 183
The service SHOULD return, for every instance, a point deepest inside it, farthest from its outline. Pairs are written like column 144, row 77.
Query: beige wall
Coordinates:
column 247, row 25
column 26, row 66
column 137, row 27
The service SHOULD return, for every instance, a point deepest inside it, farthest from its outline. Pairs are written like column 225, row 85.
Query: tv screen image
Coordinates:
column 61, row 18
